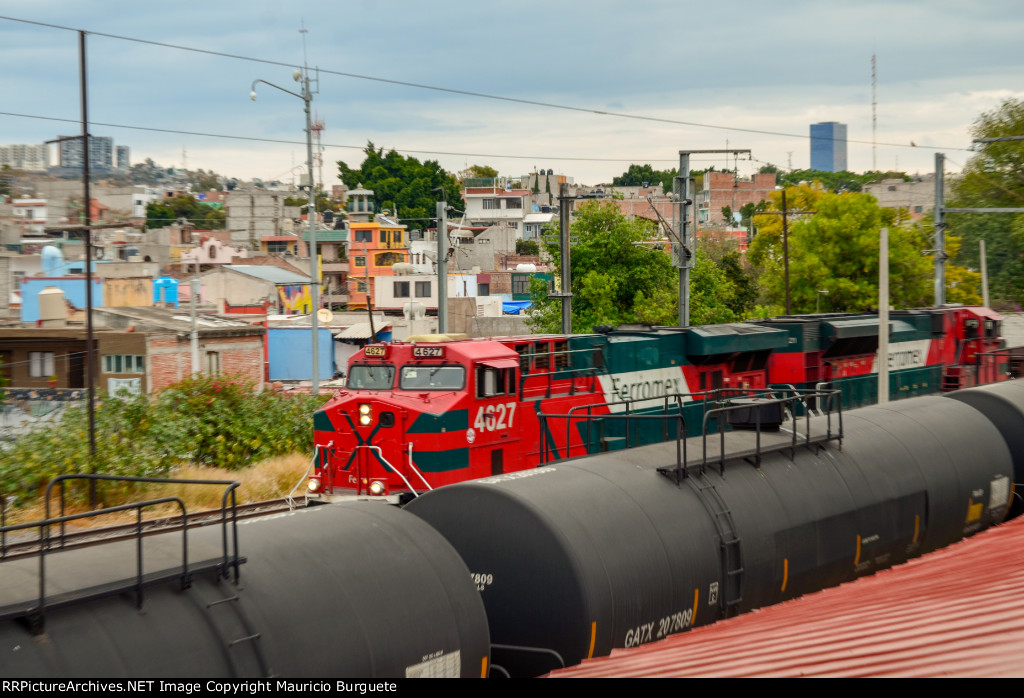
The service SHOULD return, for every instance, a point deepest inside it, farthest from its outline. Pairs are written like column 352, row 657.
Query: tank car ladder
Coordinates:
column 730, row 545
column 234, row 623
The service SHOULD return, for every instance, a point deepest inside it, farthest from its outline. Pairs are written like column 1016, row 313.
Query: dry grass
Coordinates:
column 269, row 479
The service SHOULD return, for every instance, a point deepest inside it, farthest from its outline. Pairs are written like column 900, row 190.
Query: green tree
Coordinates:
column 838, row 181
column 167, row 211
column 402, row 182
column 836, row 250
column 6, row 177
column 322, row 201
column 478, row 171
column 636, row 175
column 994, row 178
column 527, row 247
column 617, row 278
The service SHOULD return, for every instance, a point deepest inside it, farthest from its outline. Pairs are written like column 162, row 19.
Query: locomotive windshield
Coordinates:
column 371, row 377
column 426, row 377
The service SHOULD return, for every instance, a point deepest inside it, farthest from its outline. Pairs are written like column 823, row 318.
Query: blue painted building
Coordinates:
column 289, row 354
column 828, row 146
column 73, row 288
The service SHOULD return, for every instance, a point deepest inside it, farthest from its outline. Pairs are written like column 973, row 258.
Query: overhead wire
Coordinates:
column 463, row 92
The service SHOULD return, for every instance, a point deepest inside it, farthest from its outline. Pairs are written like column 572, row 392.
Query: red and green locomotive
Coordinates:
column 423, row 413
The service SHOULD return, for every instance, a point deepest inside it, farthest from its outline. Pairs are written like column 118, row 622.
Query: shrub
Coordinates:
column 205, row 420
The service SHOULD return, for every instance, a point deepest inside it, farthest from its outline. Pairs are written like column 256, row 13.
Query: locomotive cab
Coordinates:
column 414, row 416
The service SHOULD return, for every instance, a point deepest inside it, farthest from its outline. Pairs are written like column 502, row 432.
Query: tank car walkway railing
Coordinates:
column 747, row 443
column 714, row 407
column 98, row 581
column 585, row 414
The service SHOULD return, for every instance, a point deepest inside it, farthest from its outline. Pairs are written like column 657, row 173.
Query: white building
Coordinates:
column 498, row 205
column 31, row 158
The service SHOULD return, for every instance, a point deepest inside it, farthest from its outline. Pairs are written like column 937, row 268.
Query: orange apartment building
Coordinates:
column 375, row 245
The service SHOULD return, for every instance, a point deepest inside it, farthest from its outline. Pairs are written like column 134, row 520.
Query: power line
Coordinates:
column 338, row 145
column 333, row 145
column 466, row 93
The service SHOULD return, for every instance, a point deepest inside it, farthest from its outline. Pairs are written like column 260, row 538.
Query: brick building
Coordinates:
column 724, row 189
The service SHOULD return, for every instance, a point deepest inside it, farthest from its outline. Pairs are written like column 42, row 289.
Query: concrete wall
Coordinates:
column 170, row 358
column 253, row 213
column 463, row 316
column 235, row 288
column 123, row 293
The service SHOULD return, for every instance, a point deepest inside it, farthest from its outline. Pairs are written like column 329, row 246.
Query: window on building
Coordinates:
column 360, row 287
column 364, row 236
column 213, row 362
column 512, row 224
column 423, row 289
column 483, row 289
column 513, row 203
column 918, row 209
column 401, row 289
column 386, row 259
column 892, row 188
column 397, row 236
column 491, row 203
column 6, row 373
column 520, row 283
column 41, row 364
column 273, row 247
column 360, row 261
column 124, row 363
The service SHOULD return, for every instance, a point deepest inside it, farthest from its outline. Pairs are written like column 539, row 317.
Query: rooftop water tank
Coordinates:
column 53, row 261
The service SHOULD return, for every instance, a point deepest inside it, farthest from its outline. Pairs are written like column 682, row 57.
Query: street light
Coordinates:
column 314, row 276
column 821, row 292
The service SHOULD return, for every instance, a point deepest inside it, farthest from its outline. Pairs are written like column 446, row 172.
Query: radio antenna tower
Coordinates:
column 874, row 115
column 318, row 150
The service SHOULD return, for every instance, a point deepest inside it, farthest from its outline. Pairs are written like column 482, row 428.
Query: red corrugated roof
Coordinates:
column 956, row 612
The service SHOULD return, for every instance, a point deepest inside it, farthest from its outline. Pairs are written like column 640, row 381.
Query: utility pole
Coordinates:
column 883, row 316
column 563, row 224
column 302, row 77
column 984, row 275
column 940, row 232
column 442, row 265
column 785, row 247
column 194, row 291
column 90, row 344
column 684, row 250
column 785, row 239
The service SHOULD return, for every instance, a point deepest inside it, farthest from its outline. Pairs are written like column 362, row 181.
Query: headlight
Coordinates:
column 365, row 416
column 313, row 485
column 377, row 488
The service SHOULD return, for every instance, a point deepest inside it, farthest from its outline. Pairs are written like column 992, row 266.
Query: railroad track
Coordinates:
column 27, row 544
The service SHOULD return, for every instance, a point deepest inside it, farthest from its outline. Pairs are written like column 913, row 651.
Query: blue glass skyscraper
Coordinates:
column 828, row 146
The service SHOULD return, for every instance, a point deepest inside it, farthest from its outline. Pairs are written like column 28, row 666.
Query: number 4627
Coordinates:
column 495, row 417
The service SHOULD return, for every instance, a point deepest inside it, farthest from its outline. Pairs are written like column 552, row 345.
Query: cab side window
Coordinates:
column 491, row 382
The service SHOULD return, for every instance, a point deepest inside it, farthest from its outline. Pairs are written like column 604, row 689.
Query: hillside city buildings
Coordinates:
column 250, row 281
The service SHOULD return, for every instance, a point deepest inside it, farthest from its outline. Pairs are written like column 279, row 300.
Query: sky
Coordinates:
column 631, row 83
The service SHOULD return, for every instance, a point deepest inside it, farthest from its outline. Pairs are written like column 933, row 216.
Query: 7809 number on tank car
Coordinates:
column 420, row 414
